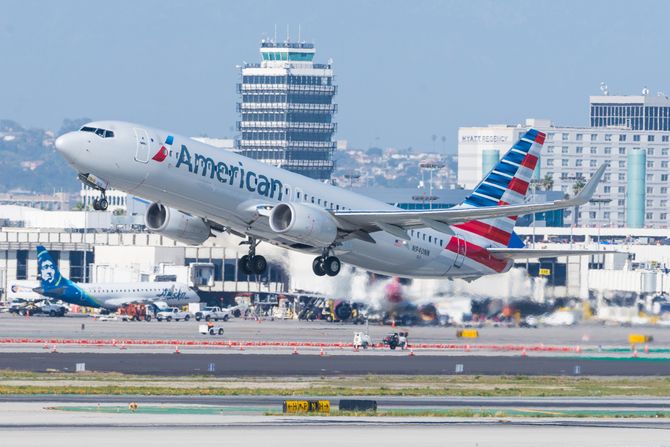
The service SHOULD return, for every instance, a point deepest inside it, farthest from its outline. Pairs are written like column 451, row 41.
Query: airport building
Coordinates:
column 286, row 109
column 629, row 133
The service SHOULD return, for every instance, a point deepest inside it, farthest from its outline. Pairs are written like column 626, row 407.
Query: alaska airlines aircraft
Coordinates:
column 197, row 188
column 109, row 296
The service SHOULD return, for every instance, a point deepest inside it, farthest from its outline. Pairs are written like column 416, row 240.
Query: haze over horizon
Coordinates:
column 405, row 70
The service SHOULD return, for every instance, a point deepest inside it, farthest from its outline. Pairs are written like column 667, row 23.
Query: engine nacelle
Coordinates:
column 176, row 225
column 304, row 224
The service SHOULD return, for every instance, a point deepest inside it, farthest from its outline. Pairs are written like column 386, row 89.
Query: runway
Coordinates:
column 32, row 424
column 384, row 402
column 263, row 365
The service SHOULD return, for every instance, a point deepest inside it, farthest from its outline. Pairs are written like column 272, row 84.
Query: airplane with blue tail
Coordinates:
column 198, row 190
column 108, row 296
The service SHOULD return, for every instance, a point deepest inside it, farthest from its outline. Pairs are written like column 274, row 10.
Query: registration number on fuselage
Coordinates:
column 420, row 250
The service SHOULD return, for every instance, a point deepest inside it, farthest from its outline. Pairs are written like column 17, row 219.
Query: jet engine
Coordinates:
column 176, row 224
column 304, row 224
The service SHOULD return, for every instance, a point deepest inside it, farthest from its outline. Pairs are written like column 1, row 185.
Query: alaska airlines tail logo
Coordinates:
column 47, row 270
column 162, row 153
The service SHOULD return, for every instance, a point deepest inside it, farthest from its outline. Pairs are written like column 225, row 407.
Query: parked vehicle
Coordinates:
column 210, row 329
column 172, row 313
column 213, row 313
column 52, row 309
column 396, row 340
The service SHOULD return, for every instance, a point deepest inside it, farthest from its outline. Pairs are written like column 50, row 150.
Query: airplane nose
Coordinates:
column 68, row 144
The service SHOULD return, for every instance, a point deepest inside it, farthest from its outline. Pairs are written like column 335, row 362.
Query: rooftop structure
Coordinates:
column 286, row 109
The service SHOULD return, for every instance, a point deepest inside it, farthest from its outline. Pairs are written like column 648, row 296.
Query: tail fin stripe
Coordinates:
column 497, row 185
column 490, row 191
column 499, row 179
column 515, row 157
column 477, row 201
column 529, row 162
column 485, row 230
column 506, row 168
column 523, row 145
column 519, row 186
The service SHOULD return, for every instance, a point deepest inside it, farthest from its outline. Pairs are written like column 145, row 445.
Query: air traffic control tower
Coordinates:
column 287, row 109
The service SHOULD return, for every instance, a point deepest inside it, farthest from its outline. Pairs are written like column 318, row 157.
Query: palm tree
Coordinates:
column 548, row 182
column 578, row 185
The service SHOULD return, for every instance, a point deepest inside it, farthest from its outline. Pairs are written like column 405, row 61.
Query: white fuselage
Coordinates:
column 114, row 295
column 188, row 179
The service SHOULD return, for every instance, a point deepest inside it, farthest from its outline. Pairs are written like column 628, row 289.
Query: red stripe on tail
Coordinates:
column 485, row 230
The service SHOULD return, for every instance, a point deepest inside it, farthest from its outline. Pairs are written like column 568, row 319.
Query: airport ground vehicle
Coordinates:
column 361, row 340
column 210, row 329
column 134, row 312
column 396, row 340
column 172, row 313
column 213, row 313
column 52, row 309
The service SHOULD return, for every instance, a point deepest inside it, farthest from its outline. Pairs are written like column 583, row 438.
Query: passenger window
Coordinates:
column 430, row 238
column 298, row 194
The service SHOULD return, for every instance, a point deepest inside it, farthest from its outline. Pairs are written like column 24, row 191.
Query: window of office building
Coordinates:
column 579, row 137
column 22, row 264
column 622, row 151
column 564, row 150
column 622, row 137
column 664, row 138
column 579, row 150
column 650, row 138
column 594, row 137
column 564, row 137
column 650, row 151
column 636, row 138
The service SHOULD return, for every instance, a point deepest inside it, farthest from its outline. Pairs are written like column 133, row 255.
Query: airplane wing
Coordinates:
column 532, row 253
column 397, row 221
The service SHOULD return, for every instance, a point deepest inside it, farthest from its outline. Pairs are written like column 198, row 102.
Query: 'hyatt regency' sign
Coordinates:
column 483, row 139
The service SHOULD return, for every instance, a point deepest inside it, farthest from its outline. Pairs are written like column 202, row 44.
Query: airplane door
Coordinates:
column 460, row 252
column 142, row 151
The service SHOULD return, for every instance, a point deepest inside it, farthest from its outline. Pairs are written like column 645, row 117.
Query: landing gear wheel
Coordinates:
column 103, row 204
column 96, row 205
column 317, row 266
column 245, row 265
column 259, row 264
column 331, row 265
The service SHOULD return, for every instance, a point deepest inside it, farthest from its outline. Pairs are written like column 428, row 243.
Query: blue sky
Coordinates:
column 405, row 70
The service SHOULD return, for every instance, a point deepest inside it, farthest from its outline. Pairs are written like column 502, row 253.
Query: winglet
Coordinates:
column 587, row 191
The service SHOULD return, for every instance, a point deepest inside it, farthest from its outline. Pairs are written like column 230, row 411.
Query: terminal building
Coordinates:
column 286, row 109
column 629, row 133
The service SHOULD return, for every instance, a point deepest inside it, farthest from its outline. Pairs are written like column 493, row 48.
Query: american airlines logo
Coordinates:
column 162, row 153
column 483, row 139
column 235, row 176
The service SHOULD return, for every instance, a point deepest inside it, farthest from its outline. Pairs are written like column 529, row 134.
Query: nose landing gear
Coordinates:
column 101, row 204
column 252, row 263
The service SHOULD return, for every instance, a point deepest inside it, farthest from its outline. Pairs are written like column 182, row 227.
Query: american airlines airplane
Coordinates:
column 197, row 189
column 109, row 296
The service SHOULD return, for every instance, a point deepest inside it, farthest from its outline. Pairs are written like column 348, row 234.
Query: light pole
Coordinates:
column 431, row 165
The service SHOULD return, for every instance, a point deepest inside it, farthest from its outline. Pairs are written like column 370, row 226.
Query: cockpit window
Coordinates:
column 104, row 133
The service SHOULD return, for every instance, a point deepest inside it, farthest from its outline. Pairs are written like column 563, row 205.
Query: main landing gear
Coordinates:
column 101, row 204
column 252, row 263
column 326, row 264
